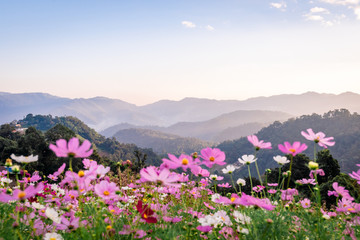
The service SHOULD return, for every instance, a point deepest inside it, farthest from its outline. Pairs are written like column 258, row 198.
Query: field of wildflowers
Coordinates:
column 178, row 200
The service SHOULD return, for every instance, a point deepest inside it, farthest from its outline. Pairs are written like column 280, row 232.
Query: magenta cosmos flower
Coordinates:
column 318, row 138
column 258, row 144
column 163, row 177
column 293, row 149
column 106, row 190
column 184, row 161
column 212, row 156
column 19, row 195
column 71, row 148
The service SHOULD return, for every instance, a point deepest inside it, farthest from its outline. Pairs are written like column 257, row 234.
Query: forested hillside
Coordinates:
column 340, row 124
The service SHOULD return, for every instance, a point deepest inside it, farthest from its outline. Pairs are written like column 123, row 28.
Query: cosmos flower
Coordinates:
column 305, row 203
column 318, row 138
column 229, row 169
column 247, row 159
column 19, row 195
column 24, row 159
column 293, row 149
column 52, row 236
column 281, row 160
column 184, row 161
column 212, row 156
column 145, row 212
column 258, row 144
column 163, row 177
column 71, row 148
column 106, row 190
column 241, row 182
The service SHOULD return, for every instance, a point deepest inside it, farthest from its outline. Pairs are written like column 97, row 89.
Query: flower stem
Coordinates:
column 291, row 161
column 251, row 184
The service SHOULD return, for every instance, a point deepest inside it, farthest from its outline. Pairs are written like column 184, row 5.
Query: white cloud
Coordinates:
column 319, row 10
column 188, row 24
column 281, row 5
column 357, row 12
column 327, row 23
column 314, row 17
column 210, row 28
column 341, row 2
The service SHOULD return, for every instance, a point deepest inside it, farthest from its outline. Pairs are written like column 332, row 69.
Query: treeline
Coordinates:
column 340, row 124
column 43, row 130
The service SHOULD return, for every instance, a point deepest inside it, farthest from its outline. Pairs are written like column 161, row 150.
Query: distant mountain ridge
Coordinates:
column 101, row 113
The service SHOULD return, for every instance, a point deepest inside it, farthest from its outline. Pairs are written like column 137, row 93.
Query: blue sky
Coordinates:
column 144, row 51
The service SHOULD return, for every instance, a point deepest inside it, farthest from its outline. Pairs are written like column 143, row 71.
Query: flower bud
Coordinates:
column 313, row 165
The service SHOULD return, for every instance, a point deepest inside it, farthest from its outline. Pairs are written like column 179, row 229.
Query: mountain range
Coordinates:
column 206, row 119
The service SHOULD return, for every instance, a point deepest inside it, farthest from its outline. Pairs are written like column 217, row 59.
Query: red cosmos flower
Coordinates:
column 145, row 212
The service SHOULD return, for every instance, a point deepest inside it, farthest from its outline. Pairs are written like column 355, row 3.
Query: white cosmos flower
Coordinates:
column 24, row 159
column 37, row 205
column 53, row 236
column 241, row 182
column 281, row 160
column 6, row 180
column 241, row 218
column 53, row 215
column 247, row 159
column 229, row 169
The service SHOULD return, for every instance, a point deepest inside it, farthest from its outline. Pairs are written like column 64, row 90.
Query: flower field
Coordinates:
column 181, row 199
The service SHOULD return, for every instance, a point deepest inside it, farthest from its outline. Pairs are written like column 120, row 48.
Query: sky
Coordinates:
column 142, row 51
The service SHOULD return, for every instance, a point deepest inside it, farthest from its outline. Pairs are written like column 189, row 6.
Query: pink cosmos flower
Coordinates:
column 184, row 161
column 306, row 203
column 319, row 172
column 204, row 228
column 318, row 138
column 164, row 176
column 19, row 195
column 264, row 203
column 288, row 194
column 341, row 191
column 197, row 170
column 293, row 149
column 272, row 191
column 212, row 156
column 225, row 185
column 305, row 181
column 272, row 184
column 71, row 148
column 258, row 144
column 355, row 175
column 106, row 190
column 258, row 188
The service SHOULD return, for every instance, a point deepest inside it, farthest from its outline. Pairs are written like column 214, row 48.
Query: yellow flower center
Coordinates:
column 112, row 210
column 350, row 209
column 106, row 193
column 232, row 199
column 81, row 173
column 108, row 227
column 21, row 194
column 52, row 238
column 145, row 216
column 212, row 159
column 223, row 219
column 185, row 161
column 292, row 150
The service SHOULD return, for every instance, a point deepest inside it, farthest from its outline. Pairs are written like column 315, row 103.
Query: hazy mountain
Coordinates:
column 101, row 113
column 208, row 130
column 98, row 112
column 224, row 127
column 160, row 142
